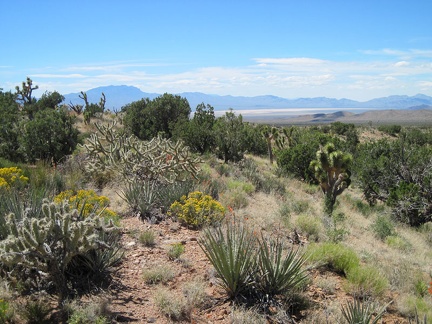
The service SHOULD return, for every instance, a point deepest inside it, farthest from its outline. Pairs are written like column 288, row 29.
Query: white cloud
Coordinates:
column 402, row 63
column 284, row 76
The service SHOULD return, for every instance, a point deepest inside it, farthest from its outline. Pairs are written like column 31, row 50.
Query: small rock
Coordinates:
column 129, row 244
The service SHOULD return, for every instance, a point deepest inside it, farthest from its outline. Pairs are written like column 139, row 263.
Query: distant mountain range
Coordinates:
column 119, row 96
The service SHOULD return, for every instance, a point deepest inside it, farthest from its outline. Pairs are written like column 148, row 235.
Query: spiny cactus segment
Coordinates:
column 50, row 242
column 159, row 158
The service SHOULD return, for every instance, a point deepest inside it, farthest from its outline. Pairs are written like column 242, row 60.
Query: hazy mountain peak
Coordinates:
column 119, row 96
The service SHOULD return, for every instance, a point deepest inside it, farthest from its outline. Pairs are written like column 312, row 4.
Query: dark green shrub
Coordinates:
column 392, row 130
column 50, row 136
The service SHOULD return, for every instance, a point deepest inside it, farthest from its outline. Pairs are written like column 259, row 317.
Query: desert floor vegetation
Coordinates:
column 109, row 235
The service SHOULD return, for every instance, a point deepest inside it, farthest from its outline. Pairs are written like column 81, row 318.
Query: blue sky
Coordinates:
column 342, row 49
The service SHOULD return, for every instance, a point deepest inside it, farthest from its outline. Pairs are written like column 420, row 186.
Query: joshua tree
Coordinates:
column 270, row 134
column 331, row 169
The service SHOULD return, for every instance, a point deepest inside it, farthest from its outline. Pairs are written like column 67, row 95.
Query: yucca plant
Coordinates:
column 358, row 313
column 279, row 271
column 140, row 196
column 231, row 250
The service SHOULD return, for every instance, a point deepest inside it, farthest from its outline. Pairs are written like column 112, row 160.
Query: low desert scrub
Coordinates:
column 300, row 206
column 94, row 312
column 247, row 187
column 334, row 256
column 87, row 202
column 36, row 311
column 398, row 242
column 147, row 238
column 240, row 315
column 383, row 227
column 173, row 308
column 158, row 274
column 412, row 306
column 181, row 307
column 175, row 251
column 6, row 312
column 195, row 295
column 309, row 226
column 327, row 285
column 235, row 198
column 366, row 282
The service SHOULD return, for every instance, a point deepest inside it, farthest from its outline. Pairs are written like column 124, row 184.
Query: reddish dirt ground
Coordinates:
column 132, row 299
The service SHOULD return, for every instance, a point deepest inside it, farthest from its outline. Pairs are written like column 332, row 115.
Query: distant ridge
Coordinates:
column 119, row 96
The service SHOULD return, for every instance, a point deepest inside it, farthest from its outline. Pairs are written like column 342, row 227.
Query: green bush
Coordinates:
column 366, row 282
column 158, row 274
column 50, row 136
column 398, row 242
column 383, row 227
column 309, row 226
column 36, row 312
column 6, row 312
column 175, row 251
column 248, row 188
column 147, row 238
column 392, row 130
column 334, row 256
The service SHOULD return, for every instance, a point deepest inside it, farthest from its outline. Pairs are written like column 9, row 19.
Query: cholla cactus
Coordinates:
column 135, row 159
column 49, row 243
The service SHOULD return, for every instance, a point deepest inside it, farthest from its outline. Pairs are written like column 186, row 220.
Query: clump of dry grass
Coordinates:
column 158, row 274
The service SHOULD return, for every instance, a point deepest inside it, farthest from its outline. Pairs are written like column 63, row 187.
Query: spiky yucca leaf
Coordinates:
column 358, row 313
column 231, row 251
column 279, row 271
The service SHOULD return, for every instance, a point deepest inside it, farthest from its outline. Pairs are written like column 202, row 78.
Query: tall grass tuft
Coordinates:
column 334, row 256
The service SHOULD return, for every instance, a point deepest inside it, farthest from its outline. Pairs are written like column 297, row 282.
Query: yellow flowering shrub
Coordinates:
column 12, row 176
column 88, row 201
column 197, row 209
